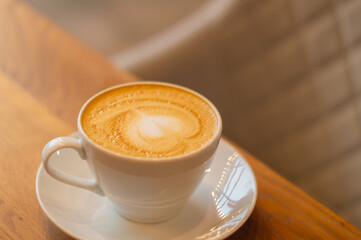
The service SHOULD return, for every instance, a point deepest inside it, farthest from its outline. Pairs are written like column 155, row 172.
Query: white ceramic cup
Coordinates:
column 140, row 189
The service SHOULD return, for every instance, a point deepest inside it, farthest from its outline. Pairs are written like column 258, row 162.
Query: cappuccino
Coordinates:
column 149, row 120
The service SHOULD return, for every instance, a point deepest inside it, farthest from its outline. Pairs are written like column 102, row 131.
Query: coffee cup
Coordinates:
column 148, row 145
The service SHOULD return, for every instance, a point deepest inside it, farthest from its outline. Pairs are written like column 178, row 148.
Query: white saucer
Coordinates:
column 220, row 205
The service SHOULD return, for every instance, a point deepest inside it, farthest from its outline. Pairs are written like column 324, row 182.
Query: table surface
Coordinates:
column 45, row 77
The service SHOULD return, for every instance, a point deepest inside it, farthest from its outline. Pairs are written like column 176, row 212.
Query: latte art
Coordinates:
column 152, row 121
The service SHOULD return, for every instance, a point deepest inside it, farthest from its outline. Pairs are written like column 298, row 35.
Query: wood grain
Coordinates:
column 53, row 66
column 31, row 116
column 25, row 127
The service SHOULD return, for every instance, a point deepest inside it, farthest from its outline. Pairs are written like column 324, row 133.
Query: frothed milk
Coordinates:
column 148, row 120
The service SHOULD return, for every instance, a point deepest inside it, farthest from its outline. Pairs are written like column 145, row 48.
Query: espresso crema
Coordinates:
column 151, row 121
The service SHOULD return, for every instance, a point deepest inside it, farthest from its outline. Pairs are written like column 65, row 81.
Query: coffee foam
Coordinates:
column 151, row 121
column 158, row 126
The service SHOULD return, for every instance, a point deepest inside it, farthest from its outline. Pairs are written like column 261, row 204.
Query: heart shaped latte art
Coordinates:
column 152, row 122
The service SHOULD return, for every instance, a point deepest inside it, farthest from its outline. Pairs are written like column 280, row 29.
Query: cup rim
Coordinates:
column 214, row 139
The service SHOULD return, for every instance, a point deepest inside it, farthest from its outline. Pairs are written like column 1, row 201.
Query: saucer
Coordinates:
column 220, row 205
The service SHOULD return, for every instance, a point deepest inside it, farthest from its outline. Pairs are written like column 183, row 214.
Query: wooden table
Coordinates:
column 45, row 77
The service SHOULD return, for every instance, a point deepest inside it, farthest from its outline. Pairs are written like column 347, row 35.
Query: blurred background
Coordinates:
column 285, row 75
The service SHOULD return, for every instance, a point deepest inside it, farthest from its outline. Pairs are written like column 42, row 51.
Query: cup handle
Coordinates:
column 74, row 143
